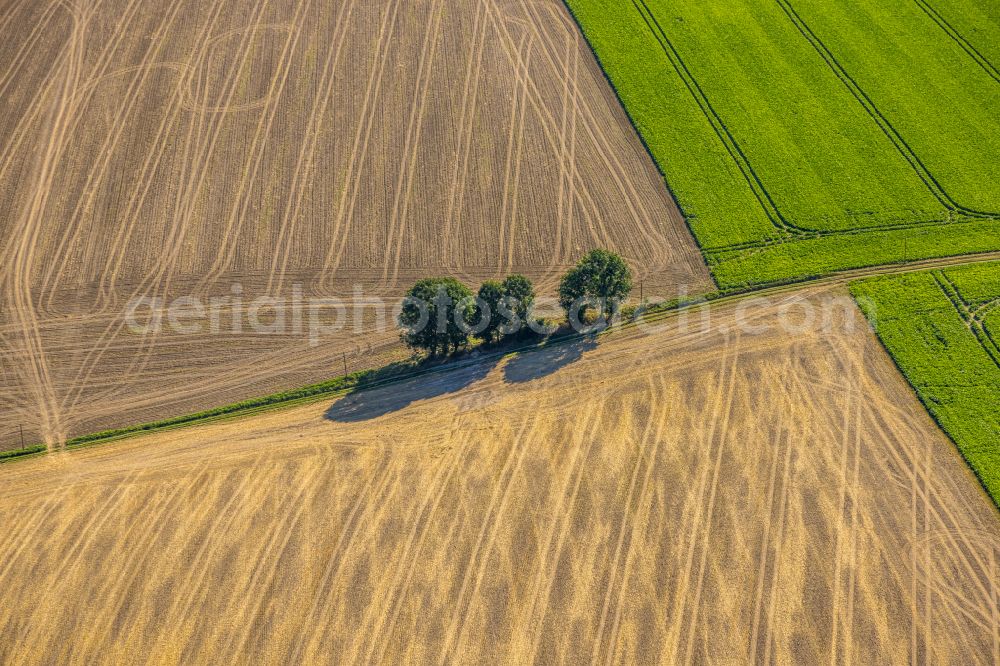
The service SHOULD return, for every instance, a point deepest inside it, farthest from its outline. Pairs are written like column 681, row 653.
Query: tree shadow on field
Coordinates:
column 368, row 403
column 531, row 365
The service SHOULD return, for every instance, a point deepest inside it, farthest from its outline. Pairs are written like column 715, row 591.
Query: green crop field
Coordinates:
column 805, row 136
column 943, row 329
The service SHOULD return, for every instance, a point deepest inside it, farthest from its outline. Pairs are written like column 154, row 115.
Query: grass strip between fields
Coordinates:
column 372, row 378
column 355, row 381
column 898, row 301
column 403, row 370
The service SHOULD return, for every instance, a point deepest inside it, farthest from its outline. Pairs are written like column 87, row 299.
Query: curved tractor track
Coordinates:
column 282, row 146
column 537, row 510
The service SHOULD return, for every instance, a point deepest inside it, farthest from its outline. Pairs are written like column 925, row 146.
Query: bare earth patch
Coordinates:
column 695, row 496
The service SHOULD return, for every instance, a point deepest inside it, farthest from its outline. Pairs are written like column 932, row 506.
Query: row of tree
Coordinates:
column 441, row 314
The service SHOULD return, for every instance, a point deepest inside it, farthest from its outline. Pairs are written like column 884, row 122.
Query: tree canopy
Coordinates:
column 488, row 306
column 437, row 315
column 600, row 279
column 503, row 307
column 520, row 294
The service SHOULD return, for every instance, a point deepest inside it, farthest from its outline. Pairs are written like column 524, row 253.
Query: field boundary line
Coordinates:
column 767, row 202
column 853, row 231
column 797, row 231
column 642, row 138
column 965, row 312
column 356, row 381
column 729, row 142
column 93, row 356
column 591, row 127
column 927, row 409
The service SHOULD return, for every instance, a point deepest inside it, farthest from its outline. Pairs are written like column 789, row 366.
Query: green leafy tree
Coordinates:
column 520, row 296
column 488, row 305
column 437, row 315
column 602, row 278
column 502, row 308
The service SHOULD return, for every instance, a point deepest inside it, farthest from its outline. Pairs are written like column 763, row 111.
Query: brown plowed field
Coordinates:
column 179, row 147
column 689, row 496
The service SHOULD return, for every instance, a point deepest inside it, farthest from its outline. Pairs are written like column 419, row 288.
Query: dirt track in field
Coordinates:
column 182, row 147
column 699, row 495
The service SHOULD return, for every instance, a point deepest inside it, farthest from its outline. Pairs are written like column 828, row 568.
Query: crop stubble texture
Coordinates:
column 544, row 509
column 176, row 148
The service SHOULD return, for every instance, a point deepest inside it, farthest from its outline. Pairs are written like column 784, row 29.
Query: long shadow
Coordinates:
column 364, row 404
column 530, row 365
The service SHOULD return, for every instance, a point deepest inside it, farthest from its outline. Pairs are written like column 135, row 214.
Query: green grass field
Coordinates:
column 943, row 328
column 803, row 136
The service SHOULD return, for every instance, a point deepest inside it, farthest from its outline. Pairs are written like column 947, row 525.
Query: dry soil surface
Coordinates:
column 693, row 494
column 179, row 148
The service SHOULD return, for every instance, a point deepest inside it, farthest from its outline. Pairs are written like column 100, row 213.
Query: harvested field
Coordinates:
column 689, row 495
column 179, row 148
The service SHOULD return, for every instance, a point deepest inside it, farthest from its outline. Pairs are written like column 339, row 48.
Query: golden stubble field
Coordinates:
column 687, row 496
column 179, row 148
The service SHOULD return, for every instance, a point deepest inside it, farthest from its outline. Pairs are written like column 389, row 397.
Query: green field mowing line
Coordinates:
column 801, row 137
column 949, row 114
column 942, row 328
column 974, row 25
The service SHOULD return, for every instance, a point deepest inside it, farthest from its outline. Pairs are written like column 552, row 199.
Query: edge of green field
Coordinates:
column 642, row 138
column 918, row 317
column 677, row 143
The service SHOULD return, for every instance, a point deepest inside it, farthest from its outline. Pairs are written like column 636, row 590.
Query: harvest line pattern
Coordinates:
column 180, row 151
column 576, row 517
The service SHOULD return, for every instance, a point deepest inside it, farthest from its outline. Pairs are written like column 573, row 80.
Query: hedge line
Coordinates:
column 18, row 453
